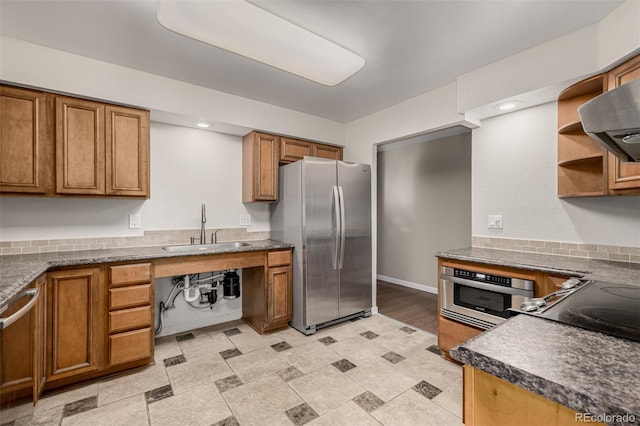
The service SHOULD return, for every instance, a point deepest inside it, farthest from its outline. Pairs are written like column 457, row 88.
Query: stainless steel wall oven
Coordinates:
column 480, row 299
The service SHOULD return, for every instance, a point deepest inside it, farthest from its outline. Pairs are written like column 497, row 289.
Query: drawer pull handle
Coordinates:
column 6, row 322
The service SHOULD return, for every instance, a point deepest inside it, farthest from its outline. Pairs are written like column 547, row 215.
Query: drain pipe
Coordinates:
column 191, row 294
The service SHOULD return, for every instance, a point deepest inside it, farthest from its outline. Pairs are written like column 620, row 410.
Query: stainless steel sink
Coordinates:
column 200, row 247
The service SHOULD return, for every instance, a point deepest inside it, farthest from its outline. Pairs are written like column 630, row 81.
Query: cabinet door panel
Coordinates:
column 79, row 146
column 22, row 140
column 267, row 163
column 130, row 346
column 17, row 349
column 279, row 295
column 624, row 177
column 76, row 327
column 294, row 149
column 127, row 151
column 327, row 151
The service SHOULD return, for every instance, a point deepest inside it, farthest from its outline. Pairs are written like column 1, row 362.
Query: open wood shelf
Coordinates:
column 571, row 127
column 595, row 84
column 585, row 177
column 577, row 146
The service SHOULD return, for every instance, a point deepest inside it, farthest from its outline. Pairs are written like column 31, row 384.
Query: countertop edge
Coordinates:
column 96, row 257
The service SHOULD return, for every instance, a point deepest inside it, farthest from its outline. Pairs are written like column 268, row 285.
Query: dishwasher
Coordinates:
column 22, row 346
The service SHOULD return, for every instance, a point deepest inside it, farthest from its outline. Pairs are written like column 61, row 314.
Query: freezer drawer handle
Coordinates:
column 336, row 210
column 342, row 228
column 6, row 322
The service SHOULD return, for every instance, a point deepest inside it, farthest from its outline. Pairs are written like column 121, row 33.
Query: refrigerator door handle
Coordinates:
column 343, row 230
column 336, row 212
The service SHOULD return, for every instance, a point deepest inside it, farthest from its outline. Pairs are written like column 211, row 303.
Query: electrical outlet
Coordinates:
column 245, row 219
column 134, row 221
column 495, row 221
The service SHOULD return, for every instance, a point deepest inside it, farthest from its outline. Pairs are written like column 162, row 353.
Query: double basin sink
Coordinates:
column 201, row 247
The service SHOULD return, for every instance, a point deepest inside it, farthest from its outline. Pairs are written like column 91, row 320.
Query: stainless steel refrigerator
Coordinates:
column 324, row 209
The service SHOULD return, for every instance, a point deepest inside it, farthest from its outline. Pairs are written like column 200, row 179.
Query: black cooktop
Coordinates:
column 609, row 308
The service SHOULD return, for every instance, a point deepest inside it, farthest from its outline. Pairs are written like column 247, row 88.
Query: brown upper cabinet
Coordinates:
column 624, row 177
column 584, row 167
column 23, row 141
column 60, row 145
column 263, row 153
column 294, row 149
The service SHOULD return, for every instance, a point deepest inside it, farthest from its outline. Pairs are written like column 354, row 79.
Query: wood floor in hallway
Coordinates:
column 413, row 307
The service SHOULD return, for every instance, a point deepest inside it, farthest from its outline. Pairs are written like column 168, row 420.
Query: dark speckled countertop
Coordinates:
column 586, row 371
column 17, row 271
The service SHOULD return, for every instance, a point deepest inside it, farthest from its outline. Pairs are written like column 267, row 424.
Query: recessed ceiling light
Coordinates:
column 245, row 29
column 508, row 106
column 204, row 125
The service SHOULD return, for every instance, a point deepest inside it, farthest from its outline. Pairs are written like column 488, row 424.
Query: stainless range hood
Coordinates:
column 613, row 120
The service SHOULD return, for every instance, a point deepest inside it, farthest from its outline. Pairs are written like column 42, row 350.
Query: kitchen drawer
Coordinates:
column 130, row 346
column 129, row 274
column 128, row 319
column 126, row 297
column 278, row 258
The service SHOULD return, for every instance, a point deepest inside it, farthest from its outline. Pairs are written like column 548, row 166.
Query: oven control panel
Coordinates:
column 482, row 277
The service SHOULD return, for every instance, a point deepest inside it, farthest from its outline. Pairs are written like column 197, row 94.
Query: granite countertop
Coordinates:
column 586, row 371
column 17, row 271
column 593, row 269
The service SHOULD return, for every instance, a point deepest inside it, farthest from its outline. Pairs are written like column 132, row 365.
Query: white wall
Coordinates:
column 424, row 206
column 514, row 161
column 189, row 167
column 43, row 67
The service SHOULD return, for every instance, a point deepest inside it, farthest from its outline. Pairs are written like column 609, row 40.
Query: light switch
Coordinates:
column 495, row 221
column 245, row 219
column 134, row 221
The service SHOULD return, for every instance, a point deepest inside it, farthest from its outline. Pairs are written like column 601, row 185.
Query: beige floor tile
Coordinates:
column 42, row 417
column 132, row 384
column 382, row 378
column 380, row 324
column 126, row 412
column 358, row 349
column 431, row 368
column 349, row 413
column 403, row 343
column 261, row 399
column 411, row 408
column 451, row 398
column 342, row 331
column 166, row 347
column 65, row 396
column 294, row 337
column 326, row 389
column 205, row 344
column 249, row 340
column 19, row 411
column 196, row 372
column 202, row 405
column 278, row 420
column 256, row 364
column 311, row 356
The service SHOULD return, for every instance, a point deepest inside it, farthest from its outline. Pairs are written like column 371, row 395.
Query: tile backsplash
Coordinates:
column 587, row 251
column 150, row 238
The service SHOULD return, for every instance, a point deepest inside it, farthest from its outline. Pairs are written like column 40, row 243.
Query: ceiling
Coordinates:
column 410, row 47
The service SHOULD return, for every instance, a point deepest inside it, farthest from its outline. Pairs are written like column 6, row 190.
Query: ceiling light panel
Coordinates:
column 245, row 29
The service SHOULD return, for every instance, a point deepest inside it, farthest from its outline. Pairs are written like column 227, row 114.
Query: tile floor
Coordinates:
column 371, row 371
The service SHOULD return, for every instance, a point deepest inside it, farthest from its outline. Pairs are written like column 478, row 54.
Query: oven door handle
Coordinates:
column 489, row 287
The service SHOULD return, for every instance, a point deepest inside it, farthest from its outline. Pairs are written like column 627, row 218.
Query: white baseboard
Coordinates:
column 416, row 286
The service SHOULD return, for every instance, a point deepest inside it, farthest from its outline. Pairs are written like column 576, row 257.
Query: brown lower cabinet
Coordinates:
column 266, row 303
column 22, row 349
column 488, row 400
column 76, row 322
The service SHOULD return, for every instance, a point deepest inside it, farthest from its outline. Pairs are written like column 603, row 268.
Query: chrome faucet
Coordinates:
column 203, row 237
column 214, row 236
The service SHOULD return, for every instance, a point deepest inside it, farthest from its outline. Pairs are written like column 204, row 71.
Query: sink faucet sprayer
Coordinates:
column 203, row 237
